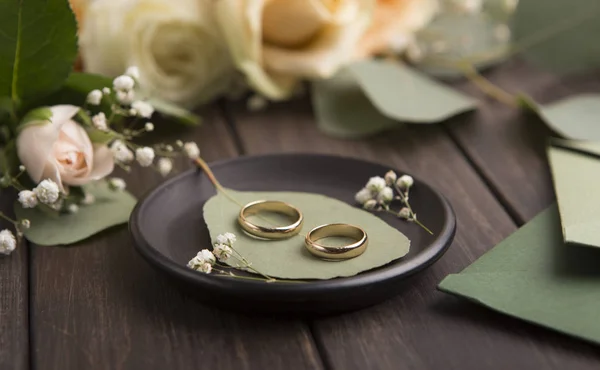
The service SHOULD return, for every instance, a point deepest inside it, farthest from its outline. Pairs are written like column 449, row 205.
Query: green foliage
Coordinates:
column 560, row 35
column 38, row 45
column 110, row 209
column 391, row 93
column 575, row 117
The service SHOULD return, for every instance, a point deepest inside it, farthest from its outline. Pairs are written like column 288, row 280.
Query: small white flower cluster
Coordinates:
column 205, row 259
column 379, row 193
column 8, row 242
column 46, row 192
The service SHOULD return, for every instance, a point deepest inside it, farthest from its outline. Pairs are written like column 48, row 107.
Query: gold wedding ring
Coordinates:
column 276, row 232
column 337, row 253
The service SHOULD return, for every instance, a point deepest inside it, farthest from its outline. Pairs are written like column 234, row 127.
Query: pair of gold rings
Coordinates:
column 331, row 253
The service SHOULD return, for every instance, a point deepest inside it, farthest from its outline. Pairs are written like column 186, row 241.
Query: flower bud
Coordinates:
column 404, row 213
column 370, row 204
column 390, row 177
column 405, row 182
column 386, row 195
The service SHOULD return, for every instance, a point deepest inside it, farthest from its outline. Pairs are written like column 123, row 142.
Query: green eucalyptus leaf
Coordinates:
column 404, row 94
column 575, row 117
column 9, row 160
column 560, row 34
column 289, row 258
column 453, row 38
column 100, row 137
column 38, row 45
column 343, row 110
column 110, row 209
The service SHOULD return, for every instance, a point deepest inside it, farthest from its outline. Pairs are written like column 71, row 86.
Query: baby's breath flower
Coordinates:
column 390, row 177
column 8, row 242
column 125, row 97
column 222, row 239
column 363, row 196
column 99, row 121
column 149, row 126
column 47, row 192
column 222, row 252
column 132, row 112
column 169, row 148
column 370, row 204
column 145, row 156
column 134, row 72
column 405, row 182
column 144, row 109
column 205, row 268
column 105, row 90
column 385, row 196
column 22, row 168
column 117, row 184
column 256, row 103
column 404, row 213
column 414, row 53
column 165, row 166
column 73, row 208
column 376, row 184
column 94, row 97
column 89, row 199
column 179, row 143
column 25, row 224
column 121, row 152
column 230, row 237
column 191, row 150
column 206, row 256
column 123, row 83
column 28, row 199
column 194, row 263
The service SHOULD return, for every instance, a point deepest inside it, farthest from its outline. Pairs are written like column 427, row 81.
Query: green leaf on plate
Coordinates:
column 575, row 117
column 289, row 258
column 343, row 110
column 560, row 35
column 38, row 45
column 110, row 209
column 451, row 38
column 403, row 94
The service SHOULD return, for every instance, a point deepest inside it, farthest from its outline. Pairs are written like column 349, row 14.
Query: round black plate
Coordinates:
column 168, row 229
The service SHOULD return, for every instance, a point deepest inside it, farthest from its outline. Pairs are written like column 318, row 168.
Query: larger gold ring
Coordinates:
column 337, row 253
column 277, row 232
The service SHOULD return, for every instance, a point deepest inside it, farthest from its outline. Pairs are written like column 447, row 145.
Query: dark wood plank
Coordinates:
column 14, row 297
column 98, row 305
column 421, row 328
column 508, row 146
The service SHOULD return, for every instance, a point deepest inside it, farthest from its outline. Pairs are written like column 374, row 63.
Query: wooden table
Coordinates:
column 98, row 305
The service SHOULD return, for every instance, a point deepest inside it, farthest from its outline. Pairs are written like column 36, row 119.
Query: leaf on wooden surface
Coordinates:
column 575, row 117
column 38, row 45
column 403, row 94
column 342, row 109
column 451, row 38
column 110, row 209
column 560, row 34
column 289, row 258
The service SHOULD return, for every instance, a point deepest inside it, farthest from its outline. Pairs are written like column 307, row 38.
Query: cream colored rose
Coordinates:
column 277, row 42
column 394, row 23
column 175, row 44
column 61, row 150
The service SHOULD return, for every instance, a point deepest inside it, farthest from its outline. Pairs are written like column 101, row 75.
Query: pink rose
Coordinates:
column 61, row 150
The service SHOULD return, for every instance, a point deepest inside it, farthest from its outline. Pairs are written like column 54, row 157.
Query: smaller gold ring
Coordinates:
column 337, row 253
column 277, row 232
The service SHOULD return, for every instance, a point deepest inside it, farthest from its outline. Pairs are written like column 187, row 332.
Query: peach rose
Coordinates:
column 59, row 149
column 394, row 23
column 277, row 42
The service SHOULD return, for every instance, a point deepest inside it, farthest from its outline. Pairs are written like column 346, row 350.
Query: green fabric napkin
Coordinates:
column 576, row 172
column 534, row 276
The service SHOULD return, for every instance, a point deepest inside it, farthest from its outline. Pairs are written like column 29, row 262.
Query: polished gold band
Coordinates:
column 278, row 232
column 337, row 253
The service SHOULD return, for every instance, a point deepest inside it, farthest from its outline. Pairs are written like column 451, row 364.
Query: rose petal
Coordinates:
column 80, row 139
column 104, row 162
column 51, row 172
column 63, row 113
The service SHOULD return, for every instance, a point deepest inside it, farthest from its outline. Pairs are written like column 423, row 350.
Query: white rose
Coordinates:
column 277, row 42
column 176, row 46
column 61, row 150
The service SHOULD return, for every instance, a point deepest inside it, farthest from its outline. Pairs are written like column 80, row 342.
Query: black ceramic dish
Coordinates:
column 168, row 229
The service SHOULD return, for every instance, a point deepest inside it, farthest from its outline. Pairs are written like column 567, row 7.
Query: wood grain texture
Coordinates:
column 421, row 328
column 14, row 297
column 508, row 146
column 98, row 305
